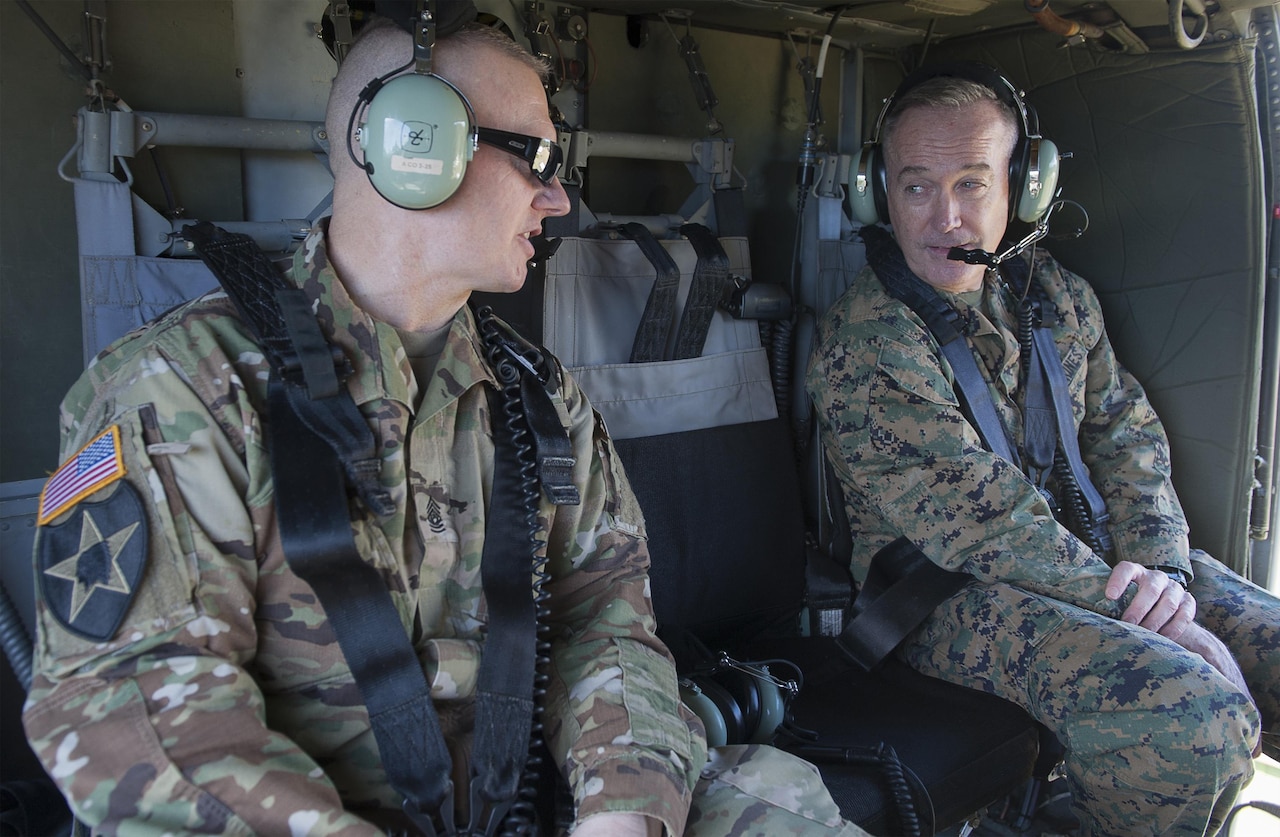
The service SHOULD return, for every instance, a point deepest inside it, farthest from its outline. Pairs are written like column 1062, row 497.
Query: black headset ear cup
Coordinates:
column 744, row 689
column 719, row 711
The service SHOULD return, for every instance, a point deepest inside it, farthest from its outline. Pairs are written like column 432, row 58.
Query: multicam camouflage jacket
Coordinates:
column 910, row 464
column 187, row 680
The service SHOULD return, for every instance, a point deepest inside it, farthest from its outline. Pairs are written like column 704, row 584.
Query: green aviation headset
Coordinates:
column 1033, row 168
column 417, row 131
column 738, row 703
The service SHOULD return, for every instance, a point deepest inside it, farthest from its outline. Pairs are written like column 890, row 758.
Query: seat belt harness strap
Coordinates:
column 1045, row 350
column 655, row 323
column 319, row 442
column 311, row 434
column 711, row 286
column 902, row 588
column 886, row 259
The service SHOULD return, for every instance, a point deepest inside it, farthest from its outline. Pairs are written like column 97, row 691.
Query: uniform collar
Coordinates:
column 382, row 369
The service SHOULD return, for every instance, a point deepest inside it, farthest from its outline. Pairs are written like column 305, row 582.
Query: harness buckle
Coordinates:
column 486, row 817
column 438, row 823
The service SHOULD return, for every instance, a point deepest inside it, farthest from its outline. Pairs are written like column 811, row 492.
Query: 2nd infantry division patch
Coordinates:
column 89, row 565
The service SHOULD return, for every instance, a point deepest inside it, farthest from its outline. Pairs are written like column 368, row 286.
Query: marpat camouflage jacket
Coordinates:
column 222, row 703
column 910, row 464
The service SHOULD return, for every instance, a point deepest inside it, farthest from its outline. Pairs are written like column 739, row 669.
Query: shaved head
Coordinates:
column 415, row 268
column 383, row 47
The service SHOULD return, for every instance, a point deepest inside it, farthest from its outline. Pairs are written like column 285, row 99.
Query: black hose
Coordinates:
column 780, row 344
column 15, row 639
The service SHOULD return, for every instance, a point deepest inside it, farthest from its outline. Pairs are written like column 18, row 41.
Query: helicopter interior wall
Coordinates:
column 762, row 106
column 178, row 58
column 1158, row 139
column 238, row 57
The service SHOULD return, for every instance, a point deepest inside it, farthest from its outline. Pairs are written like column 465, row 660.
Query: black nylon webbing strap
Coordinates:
column 313, row 427
column 313, row 423
column 710, row 283
column 504, row 693
column 659, row 311
column 902, row 588
column 553, row 450
column 279, row 317
column 890, row 267
column 552, row 445
column 309, row 498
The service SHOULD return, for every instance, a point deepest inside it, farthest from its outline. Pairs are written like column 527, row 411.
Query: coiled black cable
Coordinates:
column 892, row 772
column 895, row 777
column 1079, row 518
column 1026, row 315
column 522, row 819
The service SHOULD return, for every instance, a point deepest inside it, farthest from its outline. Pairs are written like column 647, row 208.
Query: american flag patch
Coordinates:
column 98, row 464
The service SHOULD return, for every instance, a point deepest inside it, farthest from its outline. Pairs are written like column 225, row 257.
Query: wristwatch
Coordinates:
column 1180, row 576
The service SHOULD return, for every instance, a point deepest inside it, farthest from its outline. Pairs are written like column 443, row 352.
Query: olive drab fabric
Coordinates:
column 1154, row 735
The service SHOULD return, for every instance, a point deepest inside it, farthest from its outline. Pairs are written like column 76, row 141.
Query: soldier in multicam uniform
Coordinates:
column 1127, row 668
column 187, row 679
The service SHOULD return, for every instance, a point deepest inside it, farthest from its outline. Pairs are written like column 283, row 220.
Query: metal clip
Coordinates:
column 438, row 823
column 486, row 818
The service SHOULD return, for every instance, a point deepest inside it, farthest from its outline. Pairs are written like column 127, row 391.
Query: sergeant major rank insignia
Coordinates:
column 89, row 564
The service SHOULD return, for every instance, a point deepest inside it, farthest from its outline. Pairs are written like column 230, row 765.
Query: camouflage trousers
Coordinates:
column 1156, row 740
column 761, row 791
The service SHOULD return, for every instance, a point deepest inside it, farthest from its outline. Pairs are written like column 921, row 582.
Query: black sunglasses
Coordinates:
column 543, row 155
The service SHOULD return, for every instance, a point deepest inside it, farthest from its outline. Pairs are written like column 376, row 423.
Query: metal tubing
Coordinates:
column 639, row 146
column 194, row 130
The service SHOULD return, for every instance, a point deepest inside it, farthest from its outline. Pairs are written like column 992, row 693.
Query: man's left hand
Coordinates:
column 1160, row 605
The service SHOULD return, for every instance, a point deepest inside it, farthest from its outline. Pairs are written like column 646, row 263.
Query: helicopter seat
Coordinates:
column 715, row 471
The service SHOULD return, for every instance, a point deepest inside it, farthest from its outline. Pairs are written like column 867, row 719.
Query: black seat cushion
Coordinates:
column 726, row 533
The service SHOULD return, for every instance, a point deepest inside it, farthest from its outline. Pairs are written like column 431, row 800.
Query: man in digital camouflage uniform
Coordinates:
column 1124, row 665
column 221, row 702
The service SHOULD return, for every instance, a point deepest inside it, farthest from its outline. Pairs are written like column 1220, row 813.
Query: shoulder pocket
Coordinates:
column 111, row 568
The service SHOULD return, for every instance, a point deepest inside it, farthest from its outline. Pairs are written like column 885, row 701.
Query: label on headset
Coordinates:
column 417, row 165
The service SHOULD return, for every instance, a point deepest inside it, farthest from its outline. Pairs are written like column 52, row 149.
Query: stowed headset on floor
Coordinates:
column 740, row 702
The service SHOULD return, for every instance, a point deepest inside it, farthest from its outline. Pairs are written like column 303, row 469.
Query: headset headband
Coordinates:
column 1033, row 165
column 988, row 77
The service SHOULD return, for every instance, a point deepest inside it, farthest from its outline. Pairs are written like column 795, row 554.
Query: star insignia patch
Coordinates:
column 90, row 564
